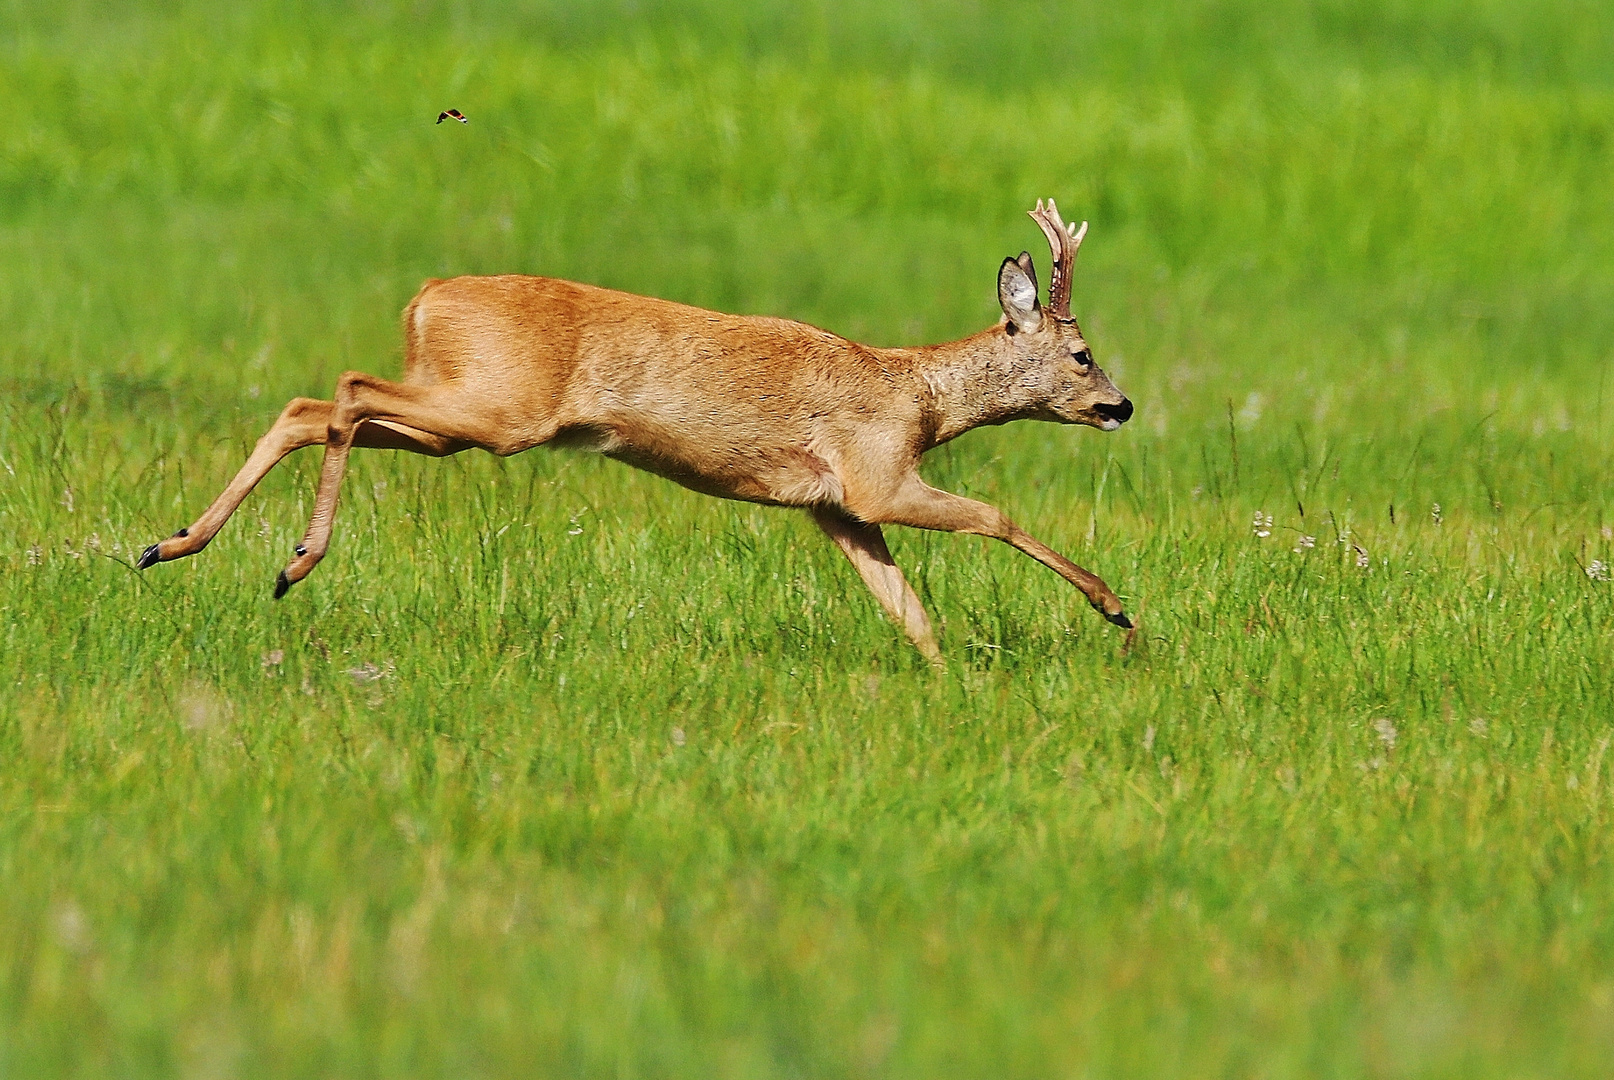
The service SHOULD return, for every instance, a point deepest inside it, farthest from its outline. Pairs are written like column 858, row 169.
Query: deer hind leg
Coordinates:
column 917, row 504
column 304, row 422
column 441, row 414
column 865, row 548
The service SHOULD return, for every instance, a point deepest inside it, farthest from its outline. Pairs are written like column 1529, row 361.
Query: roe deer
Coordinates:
column 760, row 409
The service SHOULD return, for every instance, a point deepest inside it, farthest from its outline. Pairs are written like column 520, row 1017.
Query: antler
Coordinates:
column 1065, row 240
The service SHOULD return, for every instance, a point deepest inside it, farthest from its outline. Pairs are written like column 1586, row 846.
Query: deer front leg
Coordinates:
column 917, row 504
column 865, row 548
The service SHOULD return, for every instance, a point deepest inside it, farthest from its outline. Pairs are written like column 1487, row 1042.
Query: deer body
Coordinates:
column 739, row 407
column 742, row 407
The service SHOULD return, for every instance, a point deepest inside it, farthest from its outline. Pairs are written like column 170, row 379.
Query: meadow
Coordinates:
column 553, row 768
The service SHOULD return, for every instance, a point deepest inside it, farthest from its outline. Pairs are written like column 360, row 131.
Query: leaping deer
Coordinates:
column 761, row 409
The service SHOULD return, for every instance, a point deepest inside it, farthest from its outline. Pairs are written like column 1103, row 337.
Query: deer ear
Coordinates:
column 1028, row 266
column 1017, row 293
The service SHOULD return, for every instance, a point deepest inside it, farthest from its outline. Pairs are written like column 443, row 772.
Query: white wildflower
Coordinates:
column 1434, row 514
column 1598, row 570
column 1251, row 413
column 35, row 553
column 678, row 736
column 1362, row 560
column 1262, row 524
column 1305, row 543
column 1386, row 731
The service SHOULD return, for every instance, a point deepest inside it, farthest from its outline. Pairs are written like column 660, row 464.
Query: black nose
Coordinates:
column 1120, row 413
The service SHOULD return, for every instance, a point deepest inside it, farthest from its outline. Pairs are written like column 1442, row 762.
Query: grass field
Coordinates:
column 555, row 769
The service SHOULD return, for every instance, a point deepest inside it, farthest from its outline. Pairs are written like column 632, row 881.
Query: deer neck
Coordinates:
column 978, row 381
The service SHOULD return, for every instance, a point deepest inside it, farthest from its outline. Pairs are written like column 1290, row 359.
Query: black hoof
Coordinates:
column 148, row 557
column 1120, row 619
column 281, row 585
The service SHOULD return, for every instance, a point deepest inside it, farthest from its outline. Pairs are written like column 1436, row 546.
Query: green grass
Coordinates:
column 553, row 768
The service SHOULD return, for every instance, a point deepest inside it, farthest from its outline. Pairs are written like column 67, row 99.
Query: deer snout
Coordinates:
column 1120, row 412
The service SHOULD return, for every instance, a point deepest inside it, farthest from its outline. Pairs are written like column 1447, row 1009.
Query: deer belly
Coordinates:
column 778, row 476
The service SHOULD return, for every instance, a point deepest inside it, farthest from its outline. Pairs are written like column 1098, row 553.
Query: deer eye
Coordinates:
column 1084, row 358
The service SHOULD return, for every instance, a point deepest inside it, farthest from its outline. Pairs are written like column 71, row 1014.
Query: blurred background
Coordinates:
column 1399, row 202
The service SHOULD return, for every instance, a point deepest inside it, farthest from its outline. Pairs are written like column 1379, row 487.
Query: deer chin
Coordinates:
column 1088, row 418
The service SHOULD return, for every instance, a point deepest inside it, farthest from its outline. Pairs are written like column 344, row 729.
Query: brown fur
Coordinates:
column 760, row 409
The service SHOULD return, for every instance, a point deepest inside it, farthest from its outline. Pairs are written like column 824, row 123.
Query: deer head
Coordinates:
column 1056, row 356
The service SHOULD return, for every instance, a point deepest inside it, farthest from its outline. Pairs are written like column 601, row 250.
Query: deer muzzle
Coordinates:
column 1114, row 415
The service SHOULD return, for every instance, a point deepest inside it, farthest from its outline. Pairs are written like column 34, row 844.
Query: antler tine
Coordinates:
column 1063, row 245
